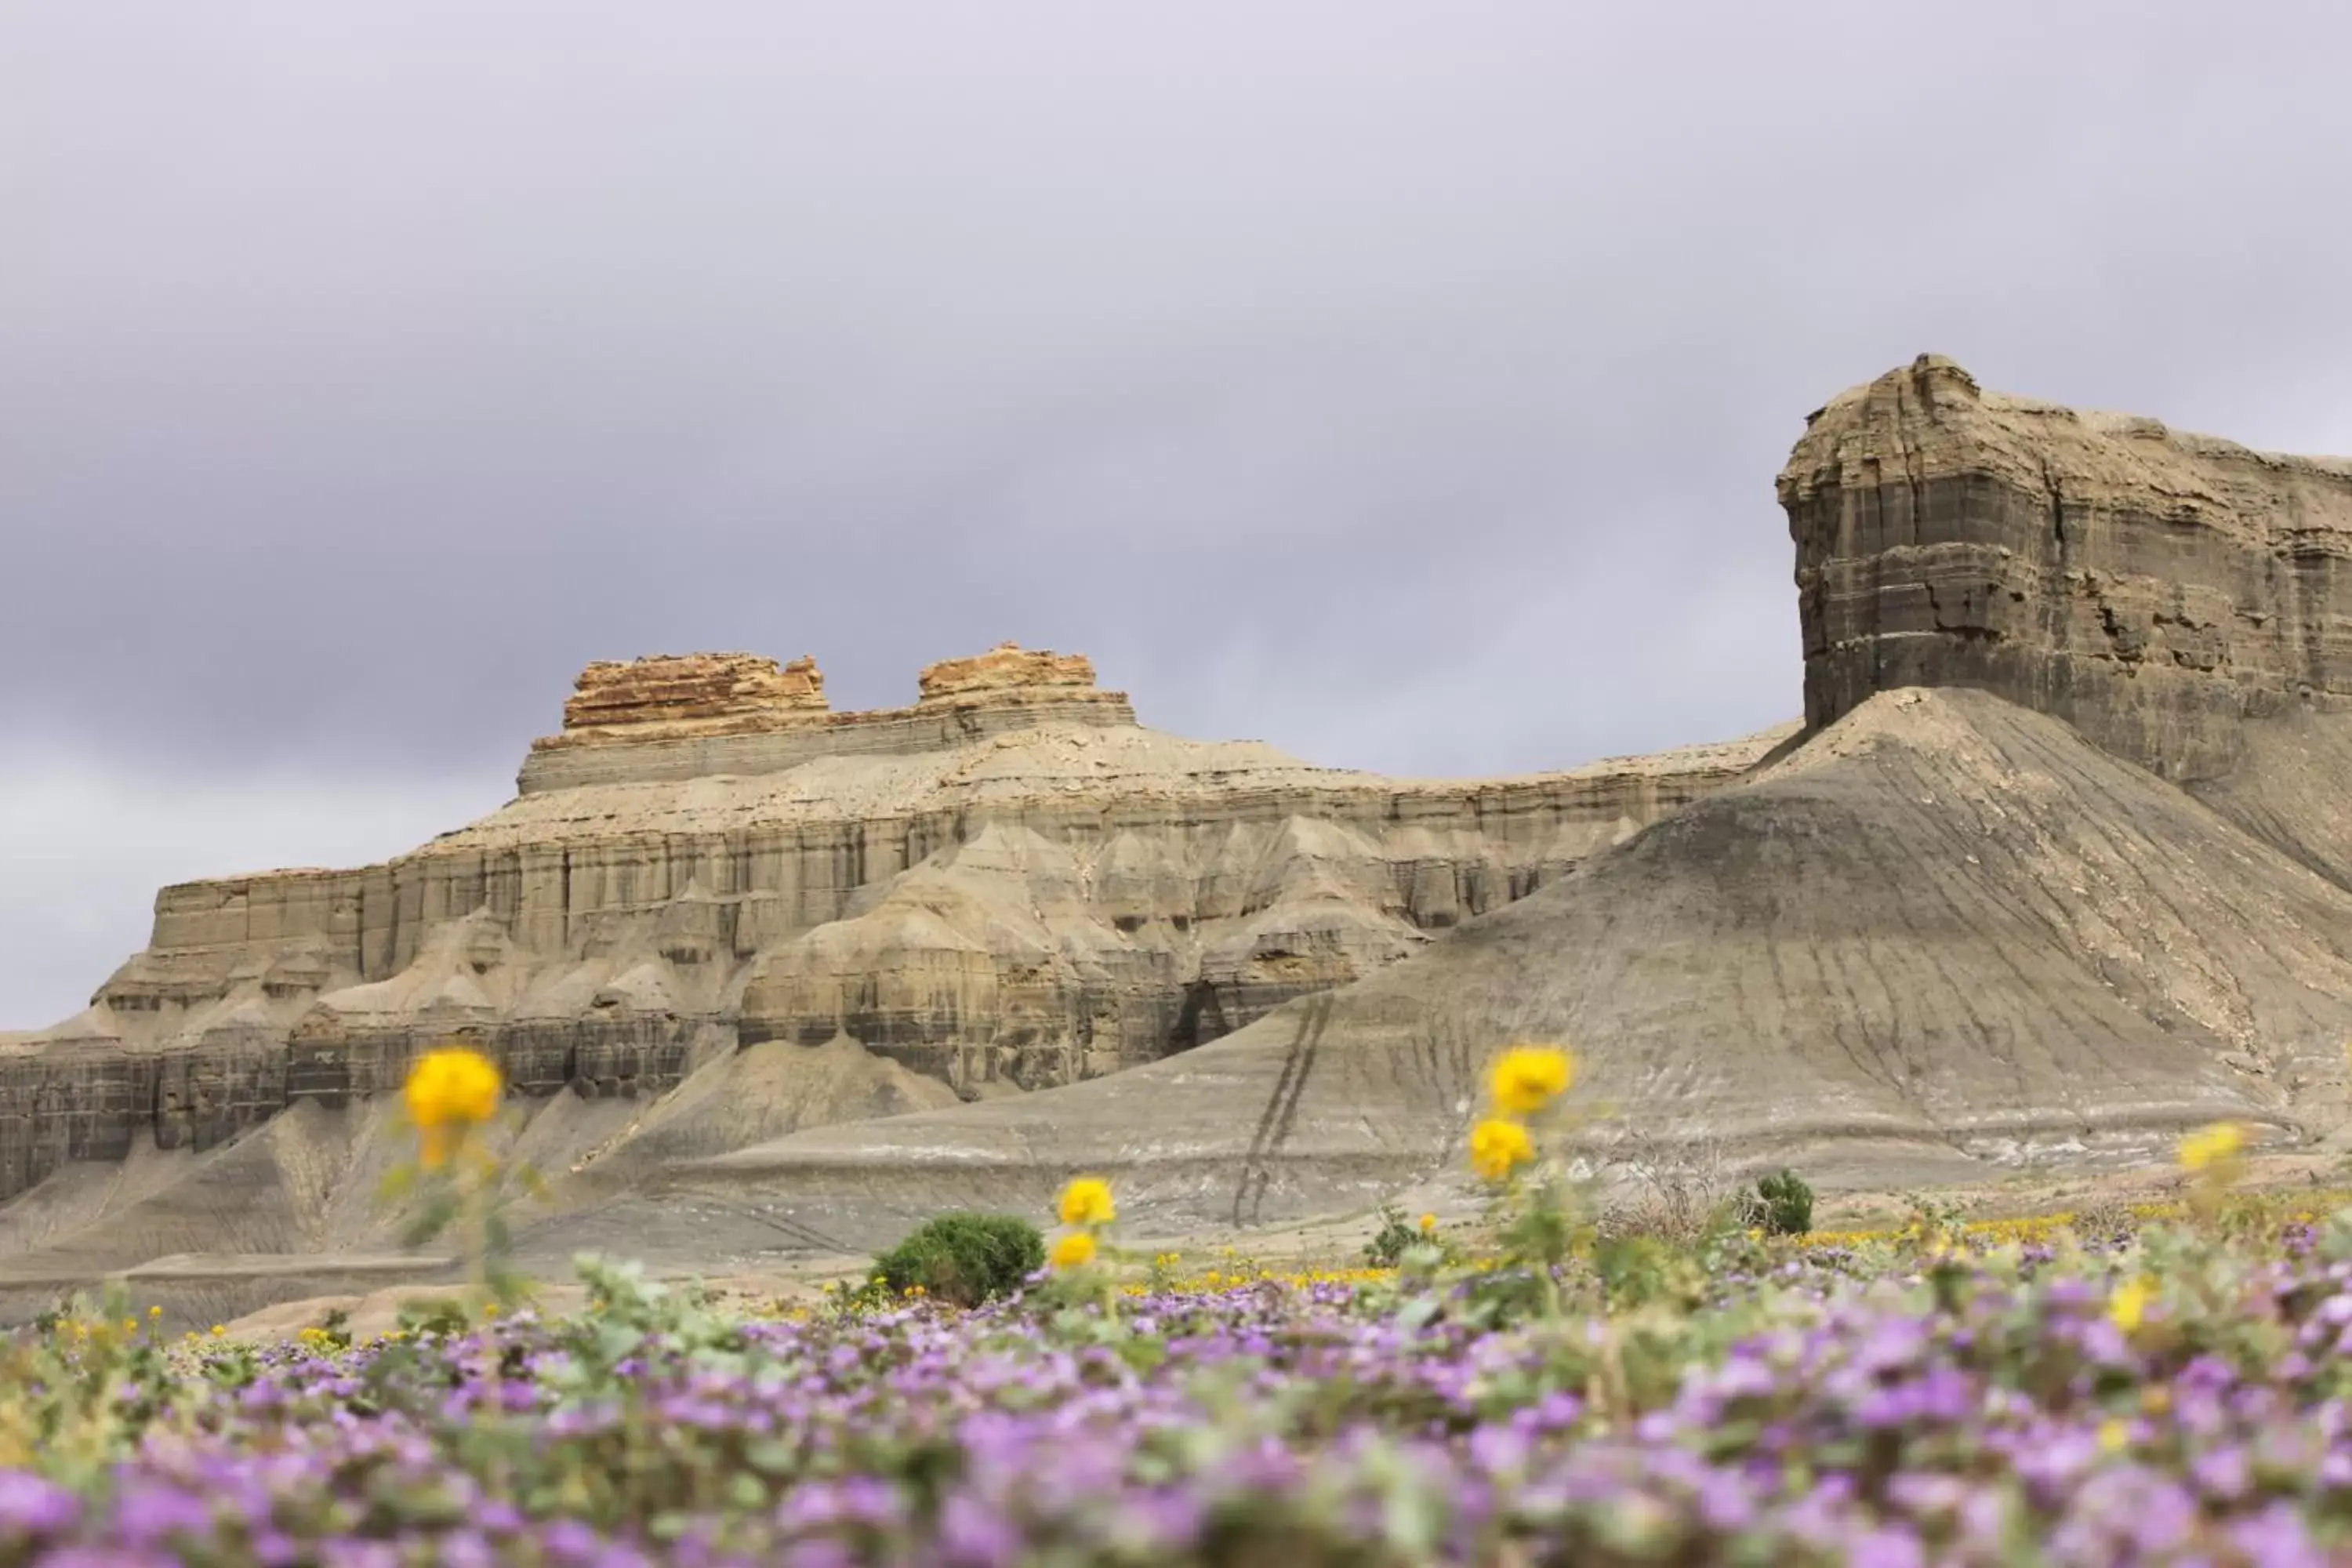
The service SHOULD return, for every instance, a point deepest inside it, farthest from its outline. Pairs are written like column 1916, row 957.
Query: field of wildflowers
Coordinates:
column 1524, row 1392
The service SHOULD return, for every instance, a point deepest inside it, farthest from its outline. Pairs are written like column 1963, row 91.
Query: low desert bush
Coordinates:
column 1784, row 1204
column 1390, row 1242
column 963, row 1259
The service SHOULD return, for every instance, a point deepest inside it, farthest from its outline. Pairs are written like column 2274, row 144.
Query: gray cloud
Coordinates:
column 1402, row 384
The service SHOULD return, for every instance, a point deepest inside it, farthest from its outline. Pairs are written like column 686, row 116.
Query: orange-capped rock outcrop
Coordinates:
column 680, row 716
column 1008, row 672
column 692, row 693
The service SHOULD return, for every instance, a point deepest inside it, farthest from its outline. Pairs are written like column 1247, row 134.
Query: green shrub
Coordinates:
column 1390, row 1242
column 964, row 1259
column 1787, row 1202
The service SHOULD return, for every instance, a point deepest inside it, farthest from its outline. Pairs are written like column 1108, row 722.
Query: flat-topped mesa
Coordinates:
column 680, row 716
column 1008, row 883
column 2152, row 588
column 690, row 694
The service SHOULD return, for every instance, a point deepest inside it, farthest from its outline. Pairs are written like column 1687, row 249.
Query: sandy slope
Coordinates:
column 1946, row 934
column 1945, row 939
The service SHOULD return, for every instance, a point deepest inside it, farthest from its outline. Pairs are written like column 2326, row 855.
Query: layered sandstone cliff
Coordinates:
column 2104, row 895
column 1008, row 883
column 1945, row 938
column 2152, row 588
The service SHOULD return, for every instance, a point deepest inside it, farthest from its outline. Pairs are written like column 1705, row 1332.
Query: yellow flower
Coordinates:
column 1526, row 1079
column 2211, row 1146
column 1499, row 1147
column 1074, row 1251
column 448, row 1091
column 155, row 1311
column 218, row 1330
column 2128, row 1305
column 1087, row 1200
column 1428, row 1224
column 2114, row 1437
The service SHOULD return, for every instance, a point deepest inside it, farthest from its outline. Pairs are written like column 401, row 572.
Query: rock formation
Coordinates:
column 670, row 696
column 1008, row 885
column 1946, row 937
column 1011, row 674
column 2152, row 588
column 1944, row 934
column 2096, row 888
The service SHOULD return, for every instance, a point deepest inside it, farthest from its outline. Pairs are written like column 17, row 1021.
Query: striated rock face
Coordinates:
column 1009, row 672
column 707, row 715
column 690, row 694
column 2103, row 896
column 2152, row 588
column 1951, row 931
column 1944, row 937
column 1009, row 884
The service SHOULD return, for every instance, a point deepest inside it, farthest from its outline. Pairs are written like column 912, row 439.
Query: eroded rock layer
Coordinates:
column 1009, row 885
column 696, row 693
column 2151, row 588
column 669, row 718
column 2103, row 896
column 1947, row 935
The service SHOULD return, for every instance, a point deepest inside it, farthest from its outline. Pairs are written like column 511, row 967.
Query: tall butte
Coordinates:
column 2152, row 588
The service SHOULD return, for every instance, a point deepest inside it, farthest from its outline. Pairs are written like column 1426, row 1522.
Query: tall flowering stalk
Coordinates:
column 1089, row 1210
column 452, row 1100
column 1525, row 1088
column 2214, row 1160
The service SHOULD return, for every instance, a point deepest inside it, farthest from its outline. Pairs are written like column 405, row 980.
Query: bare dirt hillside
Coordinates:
column 1946, row 935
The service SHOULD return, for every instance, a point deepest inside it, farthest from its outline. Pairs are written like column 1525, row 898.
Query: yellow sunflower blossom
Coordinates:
column 1428, row 1224
column 2211, row 1146
column 448, row 1093
column 2128, row 1305
column 1087, row 1200
column 1526, row 1079
column 1074, row 1251
column 1499, row 1147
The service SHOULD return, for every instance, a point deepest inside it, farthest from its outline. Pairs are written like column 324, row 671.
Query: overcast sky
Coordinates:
column 1402, row 384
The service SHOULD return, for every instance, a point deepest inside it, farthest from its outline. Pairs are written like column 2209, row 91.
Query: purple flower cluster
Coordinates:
column 1985, row 1416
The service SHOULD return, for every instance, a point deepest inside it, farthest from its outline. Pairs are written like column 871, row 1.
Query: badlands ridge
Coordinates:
column 2058, row 862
